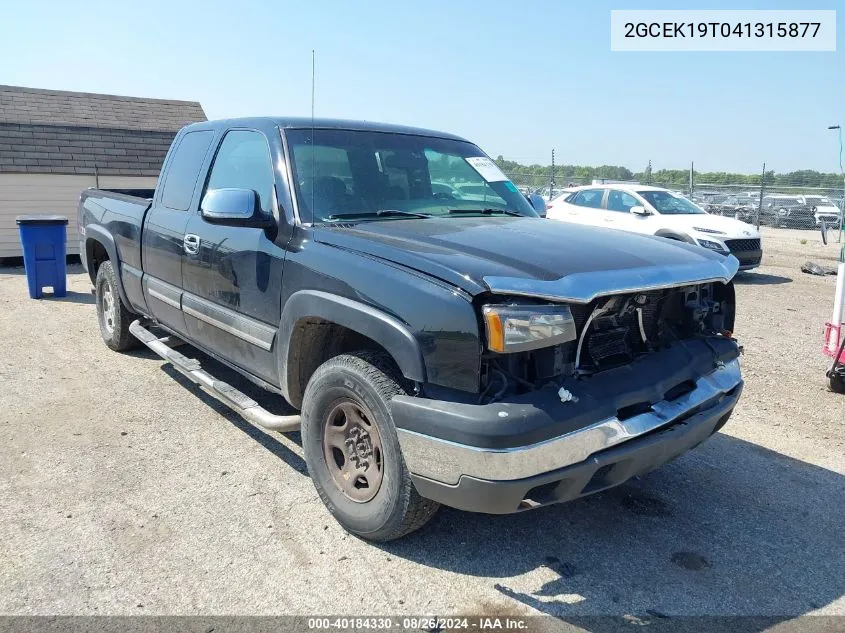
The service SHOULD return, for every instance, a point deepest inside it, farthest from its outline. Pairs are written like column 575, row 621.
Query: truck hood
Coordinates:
column 530, row 256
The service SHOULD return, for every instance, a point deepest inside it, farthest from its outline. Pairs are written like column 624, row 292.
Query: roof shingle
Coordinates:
column 58, row 107
column 51, row 131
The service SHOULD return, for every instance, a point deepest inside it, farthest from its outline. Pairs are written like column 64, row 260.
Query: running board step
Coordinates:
column 191, row 368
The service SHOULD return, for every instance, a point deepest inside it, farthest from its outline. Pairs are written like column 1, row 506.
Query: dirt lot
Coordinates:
column 123, row 490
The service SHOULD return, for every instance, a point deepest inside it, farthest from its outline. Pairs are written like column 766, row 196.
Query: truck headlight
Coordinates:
column 521, row 328
column 713, row 246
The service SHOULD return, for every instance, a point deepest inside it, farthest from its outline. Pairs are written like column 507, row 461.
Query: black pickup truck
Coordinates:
column 442, row 342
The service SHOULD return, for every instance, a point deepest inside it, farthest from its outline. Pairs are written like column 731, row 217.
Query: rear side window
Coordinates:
column 621, row 201
column 184, row 169
column 589, row 198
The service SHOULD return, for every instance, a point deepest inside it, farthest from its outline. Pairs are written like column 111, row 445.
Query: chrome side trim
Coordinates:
column 584, row 287
column 131, row 269
column 164, row 292
column 243, row 327
column 446, row 461
column 223, row 391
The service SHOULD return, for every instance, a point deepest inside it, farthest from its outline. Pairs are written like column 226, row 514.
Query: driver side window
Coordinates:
column 243, row 162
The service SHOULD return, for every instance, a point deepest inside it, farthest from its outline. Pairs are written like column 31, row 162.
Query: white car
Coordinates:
column 823, row 209
column 656, row 211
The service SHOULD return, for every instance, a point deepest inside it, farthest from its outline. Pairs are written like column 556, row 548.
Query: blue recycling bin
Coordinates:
column 44, row 242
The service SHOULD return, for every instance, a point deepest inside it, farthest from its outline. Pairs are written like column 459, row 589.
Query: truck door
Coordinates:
column 163, row 232
column 232, row 275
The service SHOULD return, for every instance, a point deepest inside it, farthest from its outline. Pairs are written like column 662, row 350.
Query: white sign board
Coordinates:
column 486, row 168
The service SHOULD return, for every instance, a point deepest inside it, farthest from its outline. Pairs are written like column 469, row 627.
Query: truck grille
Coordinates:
column 608, row 344
column 743, row 245
column 616, row 339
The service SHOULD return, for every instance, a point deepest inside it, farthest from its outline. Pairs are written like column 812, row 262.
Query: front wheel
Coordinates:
column 112, row 315
column 837, row 383
column 352, row 450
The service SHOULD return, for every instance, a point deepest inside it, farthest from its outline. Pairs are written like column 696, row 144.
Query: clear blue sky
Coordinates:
column 518, row 78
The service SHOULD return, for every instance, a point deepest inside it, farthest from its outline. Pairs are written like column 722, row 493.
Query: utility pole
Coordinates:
column 552, row 176
column 762, row 189
column 648, row 173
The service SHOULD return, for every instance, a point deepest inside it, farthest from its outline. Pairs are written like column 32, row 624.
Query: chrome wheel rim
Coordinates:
column 353, row 450
column 109, row 307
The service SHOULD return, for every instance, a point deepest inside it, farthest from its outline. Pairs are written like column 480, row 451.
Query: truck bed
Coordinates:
column 116, row 216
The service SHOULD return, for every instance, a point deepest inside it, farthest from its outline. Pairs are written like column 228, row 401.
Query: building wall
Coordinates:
column 64, row 149
column 48, row 194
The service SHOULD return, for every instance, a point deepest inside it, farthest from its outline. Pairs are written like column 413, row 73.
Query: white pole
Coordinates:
column 838, row 304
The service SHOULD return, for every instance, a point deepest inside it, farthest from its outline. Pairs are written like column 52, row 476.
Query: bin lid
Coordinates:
column 41, row 219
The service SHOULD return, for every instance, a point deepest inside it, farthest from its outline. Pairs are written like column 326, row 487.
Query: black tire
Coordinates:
column 837, row 383
column 368, row 380
column 112, row 315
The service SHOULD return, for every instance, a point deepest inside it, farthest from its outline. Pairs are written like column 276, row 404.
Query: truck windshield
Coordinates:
column 364, row 175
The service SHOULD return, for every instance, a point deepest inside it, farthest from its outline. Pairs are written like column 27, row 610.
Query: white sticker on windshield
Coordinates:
column 486, row 168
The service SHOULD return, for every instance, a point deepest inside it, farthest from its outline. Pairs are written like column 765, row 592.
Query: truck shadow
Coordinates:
column 730, row 528
column 74, row 297
column 760, row 279
column 271, row 402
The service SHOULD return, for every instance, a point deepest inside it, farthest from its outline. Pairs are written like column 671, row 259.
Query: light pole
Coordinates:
column 838, row 128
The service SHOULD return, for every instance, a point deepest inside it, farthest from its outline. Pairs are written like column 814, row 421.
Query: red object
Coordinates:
column 832, row 334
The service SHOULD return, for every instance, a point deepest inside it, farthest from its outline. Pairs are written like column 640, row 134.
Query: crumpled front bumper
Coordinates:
column 488, row 475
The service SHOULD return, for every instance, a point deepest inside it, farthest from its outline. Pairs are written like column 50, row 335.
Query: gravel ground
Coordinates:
column 124, row 490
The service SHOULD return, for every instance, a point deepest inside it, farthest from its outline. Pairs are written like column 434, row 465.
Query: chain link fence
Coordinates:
column 778, row 203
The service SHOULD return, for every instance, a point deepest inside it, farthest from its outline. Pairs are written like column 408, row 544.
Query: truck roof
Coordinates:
column 324, row 124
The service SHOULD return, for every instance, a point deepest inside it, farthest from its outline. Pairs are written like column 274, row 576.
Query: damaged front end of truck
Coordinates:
column 586, row 381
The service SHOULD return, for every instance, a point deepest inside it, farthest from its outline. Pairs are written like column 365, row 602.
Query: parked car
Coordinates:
column 702, row 198
column 438, row 350
column 823, row 209
column 656, row 211
column 787, row 212
column 549, row 194
column 739, row 207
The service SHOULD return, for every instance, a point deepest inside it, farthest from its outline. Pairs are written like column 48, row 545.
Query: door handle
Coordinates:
column 191, row 244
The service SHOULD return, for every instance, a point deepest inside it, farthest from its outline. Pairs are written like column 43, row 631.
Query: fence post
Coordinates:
column 762, row 189
column 841, row 218
column 691, row 178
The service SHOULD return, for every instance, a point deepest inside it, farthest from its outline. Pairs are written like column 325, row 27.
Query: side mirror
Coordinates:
column 234, row 207
column 640, row 210
column 537, row 203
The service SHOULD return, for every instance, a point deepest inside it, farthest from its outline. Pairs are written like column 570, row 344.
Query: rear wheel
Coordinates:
column 112, row 315
column 837, row 383
column 352, row 450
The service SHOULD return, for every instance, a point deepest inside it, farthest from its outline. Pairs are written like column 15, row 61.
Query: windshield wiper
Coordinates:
column 486, row 212
column 378, row 213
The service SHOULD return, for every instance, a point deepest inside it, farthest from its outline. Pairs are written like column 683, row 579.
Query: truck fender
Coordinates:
column 675, row 235
column 97, row 233
column 386, row 330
